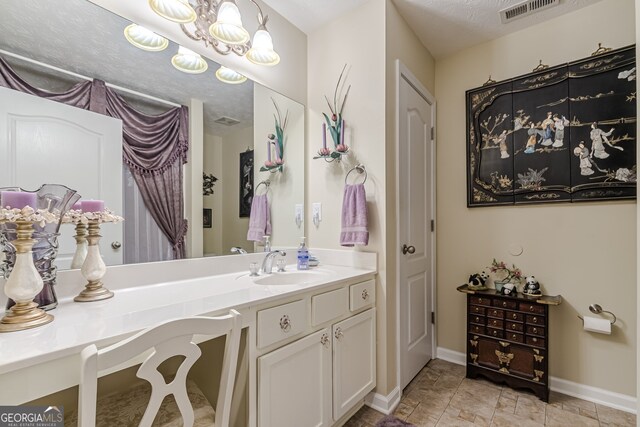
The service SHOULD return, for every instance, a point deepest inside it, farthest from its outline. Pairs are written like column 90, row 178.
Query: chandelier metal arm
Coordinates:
column 206, row 16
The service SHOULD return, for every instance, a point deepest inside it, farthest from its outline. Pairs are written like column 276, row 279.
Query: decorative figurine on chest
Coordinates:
column 509, row 289
column 531, row 286
column 477, row 281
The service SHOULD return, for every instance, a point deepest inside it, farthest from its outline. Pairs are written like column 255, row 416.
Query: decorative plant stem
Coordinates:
column 336, row 124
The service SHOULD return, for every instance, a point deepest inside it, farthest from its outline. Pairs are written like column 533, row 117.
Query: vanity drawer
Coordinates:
column 329, row 305
column 362, row 295
column 281, row 322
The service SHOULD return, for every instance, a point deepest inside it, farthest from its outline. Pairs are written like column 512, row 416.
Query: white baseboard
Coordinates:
column 604, row 397
column 385, row 404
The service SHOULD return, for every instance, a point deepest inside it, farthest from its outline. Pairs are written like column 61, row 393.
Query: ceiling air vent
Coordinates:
column 525, row 8
column 227, row 121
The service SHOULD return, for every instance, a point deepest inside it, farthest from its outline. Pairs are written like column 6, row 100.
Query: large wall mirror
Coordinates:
column 55, row 45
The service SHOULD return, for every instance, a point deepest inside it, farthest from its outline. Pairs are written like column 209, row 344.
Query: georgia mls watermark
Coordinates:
column 31, row 416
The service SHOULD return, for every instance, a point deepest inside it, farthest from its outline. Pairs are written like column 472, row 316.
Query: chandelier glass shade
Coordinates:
column 227, row 75
column 179, row 11
column 228, row 26
column 145, row 39
column 218, row 24
column 189, row 62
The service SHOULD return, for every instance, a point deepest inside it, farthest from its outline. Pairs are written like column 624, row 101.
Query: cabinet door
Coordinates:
column 294, row 387
column 354, row 361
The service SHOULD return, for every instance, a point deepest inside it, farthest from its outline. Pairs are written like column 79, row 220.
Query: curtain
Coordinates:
column 154, row 147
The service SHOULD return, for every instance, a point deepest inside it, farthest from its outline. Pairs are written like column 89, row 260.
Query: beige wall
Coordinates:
column 222, row 158
column 193, row 180
column 287, row 187
column 585, row 252
column 637, row 4
column 401, row 44
column 213, row 164
column 356, row 39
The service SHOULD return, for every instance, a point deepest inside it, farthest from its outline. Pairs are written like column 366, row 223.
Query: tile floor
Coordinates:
column 440, row 395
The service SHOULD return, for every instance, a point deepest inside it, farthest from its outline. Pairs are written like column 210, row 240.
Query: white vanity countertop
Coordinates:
column 77, row 325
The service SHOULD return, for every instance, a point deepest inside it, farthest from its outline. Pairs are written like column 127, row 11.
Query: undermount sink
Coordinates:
column 291, row 278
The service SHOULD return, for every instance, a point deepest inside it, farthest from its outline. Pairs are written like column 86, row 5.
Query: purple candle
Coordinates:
column 18, row 199
column 344, row 126
column 77, row 206
column 92, row 205
column 268, row 150
column 278, row 155
column 324, row 135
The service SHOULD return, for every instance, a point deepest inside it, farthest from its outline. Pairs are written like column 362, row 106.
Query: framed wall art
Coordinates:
column 561, row 134
column 207, row 218
column 246, row 183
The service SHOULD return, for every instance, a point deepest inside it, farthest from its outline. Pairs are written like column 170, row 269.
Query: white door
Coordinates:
column 294, row 384
column 354, row 361
column 43, row 141
column 415, row 237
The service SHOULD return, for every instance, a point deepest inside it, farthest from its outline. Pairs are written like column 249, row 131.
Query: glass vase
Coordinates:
column 57, row 198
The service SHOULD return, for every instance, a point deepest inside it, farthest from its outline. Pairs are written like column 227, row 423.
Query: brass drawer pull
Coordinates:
column 534, row 320
column 514, row 337
column 515, row 316
column 495, row 333
column 531, row 308
column 535, row 330
column 504, row 303
column 495, row 322
column 513, row 326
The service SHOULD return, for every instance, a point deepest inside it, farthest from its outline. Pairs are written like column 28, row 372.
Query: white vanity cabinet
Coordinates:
column 317, row 379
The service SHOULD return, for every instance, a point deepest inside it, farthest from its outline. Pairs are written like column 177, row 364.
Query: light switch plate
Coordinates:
column 299, row 214
column 317, row 211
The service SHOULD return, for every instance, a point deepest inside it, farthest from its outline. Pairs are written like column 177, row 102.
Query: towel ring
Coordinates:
column 266, row 184
column 360, row 169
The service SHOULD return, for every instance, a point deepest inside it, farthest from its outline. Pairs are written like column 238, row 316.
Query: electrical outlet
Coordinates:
column 317, row 211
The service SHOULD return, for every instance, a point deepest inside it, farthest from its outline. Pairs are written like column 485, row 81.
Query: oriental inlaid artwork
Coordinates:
column 566, row 133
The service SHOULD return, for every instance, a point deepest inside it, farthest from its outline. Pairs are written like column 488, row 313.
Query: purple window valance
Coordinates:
column 154, row 147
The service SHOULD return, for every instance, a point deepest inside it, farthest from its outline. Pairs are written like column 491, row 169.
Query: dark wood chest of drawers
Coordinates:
column 508, row 339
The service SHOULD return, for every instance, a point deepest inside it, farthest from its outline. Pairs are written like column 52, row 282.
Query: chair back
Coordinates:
column 166, row 340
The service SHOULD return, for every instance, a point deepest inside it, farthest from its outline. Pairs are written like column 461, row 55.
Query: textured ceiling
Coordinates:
column 443, row 26
column 447, row 26
column 79, row 36
column 309, row 15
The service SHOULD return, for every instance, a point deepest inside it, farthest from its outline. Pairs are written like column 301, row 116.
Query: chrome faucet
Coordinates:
column 238, row 250
column 267, row 264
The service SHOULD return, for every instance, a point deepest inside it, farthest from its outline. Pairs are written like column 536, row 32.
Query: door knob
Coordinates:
column 116, row 245
column 408, row 249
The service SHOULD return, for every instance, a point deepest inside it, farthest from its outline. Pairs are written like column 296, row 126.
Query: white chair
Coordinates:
column 169, row 339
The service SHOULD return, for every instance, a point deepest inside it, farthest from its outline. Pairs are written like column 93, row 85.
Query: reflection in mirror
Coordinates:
column 55, row 45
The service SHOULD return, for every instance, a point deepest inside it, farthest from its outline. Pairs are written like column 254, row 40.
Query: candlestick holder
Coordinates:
column 23, row 285
column 93, row 269
column 81, row 246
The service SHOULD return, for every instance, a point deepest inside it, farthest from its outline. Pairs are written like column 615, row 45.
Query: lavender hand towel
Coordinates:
column 259, row 219
column 354, row 216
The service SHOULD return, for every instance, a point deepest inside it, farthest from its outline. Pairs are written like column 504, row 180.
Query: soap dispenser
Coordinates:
column 303, row 256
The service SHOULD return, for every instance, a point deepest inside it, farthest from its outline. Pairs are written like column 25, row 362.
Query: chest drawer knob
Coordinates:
column 531, row 308
column 338, row 333
column 365, row 294
column 534, row 339
column 535, row 330
column 504, row 303
column 495, row 333
column 534, row 320
column 285, row 323
column 513, row 326
column 514, row 337
column 495, row 322
column 515, row 316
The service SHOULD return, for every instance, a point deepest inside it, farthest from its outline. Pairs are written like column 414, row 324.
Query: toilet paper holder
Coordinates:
column 597, row 309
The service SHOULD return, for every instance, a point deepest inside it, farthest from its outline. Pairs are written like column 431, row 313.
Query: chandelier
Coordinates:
column 218, row 24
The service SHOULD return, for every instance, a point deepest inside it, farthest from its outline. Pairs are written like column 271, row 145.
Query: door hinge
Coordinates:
column 432, row 133
column 433, row 317
column 433, row 225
